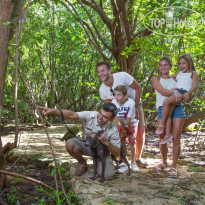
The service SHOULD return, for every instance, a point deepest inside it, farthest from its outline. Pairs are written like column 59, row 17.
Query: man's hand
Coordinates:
column 104, row 140
column 46, row 111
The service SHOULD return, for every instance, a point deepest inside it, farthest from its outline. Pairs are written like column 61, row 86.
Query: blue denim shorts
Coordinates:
column 181, row 90
column 178, row 112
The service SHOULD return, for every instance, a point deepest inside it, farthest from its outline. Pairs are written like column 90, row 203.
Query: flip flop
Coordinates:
column 159, row 167
column 172, row 173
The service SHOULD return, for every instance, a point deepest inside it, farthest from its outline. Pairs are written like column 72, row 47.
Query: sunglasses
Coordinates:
column 112, row 92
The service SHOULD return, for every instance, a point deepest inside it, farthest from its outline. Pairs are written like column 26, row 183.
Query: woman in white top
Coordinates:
column 164, row 86
column 187, row 83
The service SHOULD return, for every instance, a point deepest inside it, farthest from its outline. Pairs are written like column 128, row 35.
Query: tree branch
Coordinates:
column 100, row 12
column 125, row 21
column 79, row 99
column 114, row 7
column 113, row 30
column 95, row 27
column 143, row 33
column 83, row 23
column 194, row 118
column 25, row 177
column 136, row 17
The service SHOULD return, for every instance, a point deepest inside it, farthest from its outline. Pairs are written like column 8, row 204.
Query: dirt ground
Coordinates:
column 144, row 187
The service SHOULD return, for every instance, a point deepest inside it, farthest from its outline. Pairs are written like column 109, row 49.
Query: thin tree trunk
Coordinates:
column 6, row 10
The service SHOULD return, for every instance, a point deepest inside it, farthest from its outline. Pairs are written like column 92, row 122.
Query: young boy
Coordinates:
column 126, row 124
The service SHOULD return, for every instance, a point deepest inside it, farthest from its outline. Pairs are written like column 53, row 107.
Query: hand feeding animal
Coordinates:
column 99, row 151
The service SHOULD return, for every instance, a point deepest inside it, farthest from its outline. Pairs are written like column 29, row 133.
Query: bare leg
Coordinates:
column 177, row 131
column 169, row 121
column 75, row 153
column 163, row 148
column 168, row 126
column 140, row 139
column 167, row 104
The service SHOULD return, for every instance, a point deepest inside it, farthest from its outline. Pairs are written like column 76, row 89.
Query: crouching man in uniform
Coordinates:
column 94, row 121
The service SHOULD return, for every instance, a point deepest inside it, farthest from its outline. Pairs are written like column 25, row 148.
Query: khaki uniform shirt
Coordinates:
column 91, row 125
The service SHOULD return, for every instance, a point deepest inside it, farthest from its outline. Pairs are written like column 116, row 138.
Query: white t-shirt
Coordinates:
column 184, row 81
column 126, row 110
column 167, row 84
column 121, row 78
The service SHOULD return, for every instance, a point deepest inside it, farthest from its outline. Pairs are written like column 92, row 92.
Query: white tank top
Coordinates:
column 184, row 81
column 167, row 84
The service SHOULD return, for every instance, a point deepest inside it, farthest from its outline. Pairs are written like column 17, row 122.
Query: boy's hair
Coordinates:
column 110, row 107
column 121, row 88
column 188, row 58
column 103, row 63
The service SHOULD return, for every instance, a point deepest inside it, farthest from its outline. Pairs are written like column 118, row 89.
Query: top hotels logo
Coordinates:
column 174, row 21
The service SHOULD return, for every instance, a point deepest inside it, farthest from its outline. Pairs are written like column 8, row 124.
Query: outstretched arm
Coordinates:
column 68, row 114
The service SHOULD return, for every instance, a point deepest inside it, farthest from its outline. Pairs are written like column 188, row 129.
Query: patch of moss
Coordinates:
column 75, row 129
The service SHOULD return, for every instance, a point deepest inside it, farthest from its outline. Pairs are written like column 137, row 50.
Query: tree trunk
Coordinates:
column 6, row 10
column 3, row 167
column 193, row 119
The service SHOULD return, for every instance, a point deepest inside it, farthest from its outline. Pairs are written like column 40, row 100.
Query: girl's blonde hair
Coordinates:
column 166, row 58
column 188, row 58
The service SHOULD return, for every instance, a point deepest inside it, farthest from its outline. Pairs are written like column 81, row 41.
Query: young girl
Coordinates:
column 126, row 123
column 187, row 83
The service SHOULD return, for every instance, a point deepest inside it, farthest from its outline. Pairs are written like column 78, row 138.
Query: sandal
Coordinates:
column 166, row 139
column 160, row 129
column 172, row 173
column 159, row 167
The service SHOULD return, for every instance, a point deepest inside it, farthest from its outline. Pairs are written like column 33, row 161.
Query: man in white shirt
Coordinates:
column 109, row 83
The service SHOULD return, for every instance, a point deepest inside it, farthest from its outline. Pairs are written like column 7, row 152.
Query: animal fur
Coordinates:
column 100, row 151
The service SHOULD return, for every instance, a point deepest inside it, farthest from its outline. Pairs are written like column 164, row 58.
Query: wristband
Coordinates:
column 174, row 92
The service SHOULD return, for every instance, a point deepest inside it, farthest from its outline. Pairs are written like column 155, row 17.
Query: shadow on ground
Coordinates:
column 144, row 187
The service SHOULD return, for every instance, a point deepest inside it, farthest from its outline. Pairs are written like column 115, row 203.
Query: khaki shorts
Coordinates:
column 109, row 166
column 141, row 116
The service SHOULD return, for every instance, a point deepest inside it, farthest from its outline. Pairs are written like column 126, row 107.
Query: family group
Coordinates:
column 122, row 120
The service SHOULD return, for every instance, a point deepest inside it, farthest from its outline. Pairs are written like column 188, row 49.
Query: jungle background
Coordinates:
column 49, row 49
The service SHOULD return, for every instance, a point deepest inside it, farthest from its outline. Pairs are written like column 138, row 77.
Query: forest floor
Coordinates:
column 33, row 158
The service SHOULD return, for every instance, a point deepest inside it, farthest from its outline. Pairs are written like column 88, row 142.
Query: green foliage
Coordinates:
column 54, row 196
column 57, row 59
column 110, row 201
column 75, row 129
column 13, row 197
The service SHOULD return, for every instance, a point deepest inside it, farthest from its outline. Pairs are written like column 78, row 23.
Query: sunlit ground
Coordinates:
column 36, row 141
